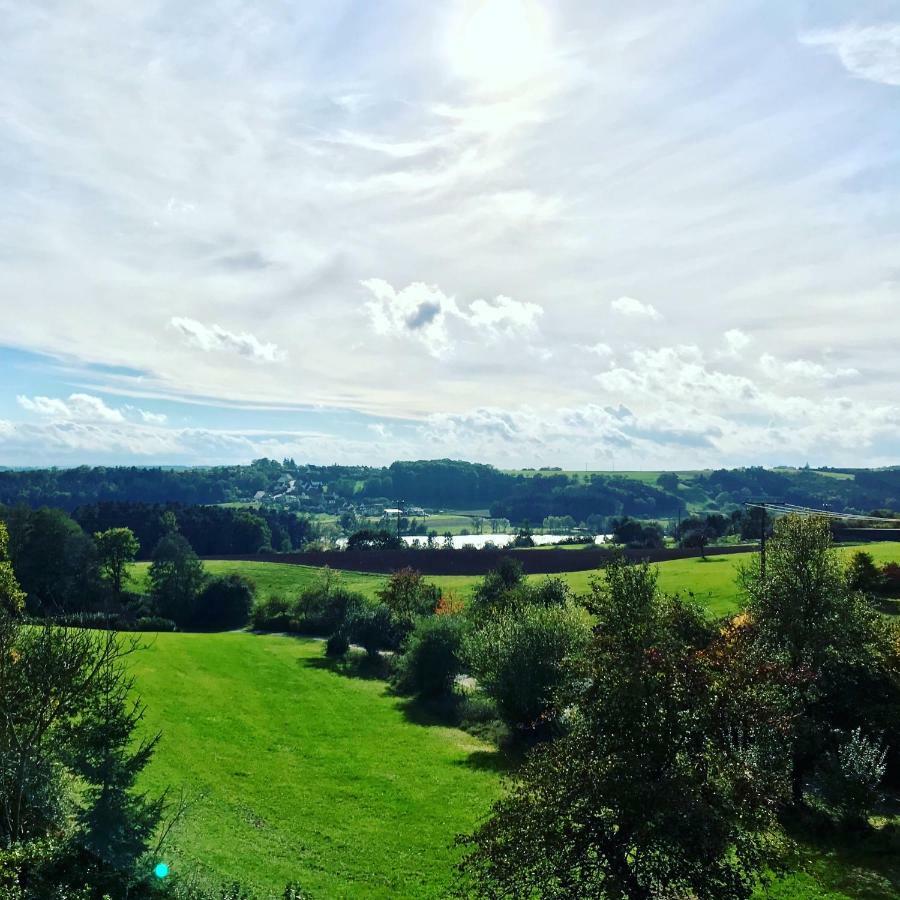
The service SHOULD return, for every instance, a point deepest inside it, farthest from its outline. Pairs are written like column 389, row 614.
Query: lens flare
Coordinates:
column 161, row 870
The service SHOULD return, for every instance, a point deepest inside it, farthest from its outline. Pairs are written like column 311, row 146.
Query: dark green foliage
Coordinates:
column 55, row 561
column 636, row 534
column 210, row 530
column 224, row 603
column 809, row 621
column 408, row 595
column 176, row 578
column 851, row 778
column 431, row 659
column 505, row 589
column 522, row 656
column 652, row 791
column 67, row 712
column 862, row 573
column 374, row 628
column 116, row 548
column 374, row 539
column 338, row 645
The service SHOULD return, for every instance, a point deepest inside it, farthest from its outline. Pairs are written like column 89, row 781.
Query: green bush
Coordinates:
column 431, row 660
column 852, row 777
column 338, row 645
column 521, row 658
column 154, row 623
column 224, row 603
column 374, row 628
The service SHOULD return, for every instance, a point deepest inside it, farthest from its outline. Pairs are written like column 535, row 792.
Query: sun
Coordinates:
column 498, row 45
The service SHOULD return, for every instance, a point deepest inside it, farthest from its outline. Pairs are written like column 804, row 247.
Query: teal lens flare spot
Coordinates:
column 160, row 870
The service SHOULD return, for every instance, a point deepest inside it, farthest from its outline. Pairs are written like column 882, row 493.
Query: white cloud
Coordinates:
column 215, row 338
column 802, row 370
column 870, row 52
column 736, row 341
column 153, row 418
column 598, row 349
column 424, row 313
column 79, row 407
column 629, row 306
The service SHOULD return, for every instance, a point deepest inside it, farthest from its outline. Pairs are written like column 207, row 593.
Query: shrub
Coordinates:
column 271, row 614
column 431, row 660
column 338, row 645
column 223, row 603
column 321, row 610
column 863, row 574
column 890, row 576
column 154, row 623
column 408, row 595
column 852, row 776
column 373, row 627
column 521, row 657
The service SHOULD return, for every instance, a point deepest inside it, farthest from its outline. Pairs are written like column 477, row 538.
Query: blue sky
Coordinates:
column 527, row 233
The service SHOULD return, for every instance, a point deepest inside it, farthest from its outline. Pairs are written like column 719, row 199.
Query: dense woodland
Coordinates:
column 455, row 484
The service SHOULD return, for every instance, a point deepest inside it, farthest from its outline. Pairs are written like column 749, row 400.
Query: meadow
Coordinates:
column 713, row 581
column 297, row 771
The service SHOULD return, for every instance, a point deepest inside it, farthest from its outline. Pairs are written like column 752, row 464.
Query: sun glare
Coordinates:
column 499, row 44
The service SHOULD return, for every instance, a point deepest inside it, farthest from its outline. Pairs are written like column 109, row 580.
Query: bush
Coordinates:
column 224, row 603
column 851, row 778
column 431, row 660
column 321, row 610
column 272, row 614
column 373, row 627
column 863, row 574
column 337, row 646
column 521, row 658
column 154, row 623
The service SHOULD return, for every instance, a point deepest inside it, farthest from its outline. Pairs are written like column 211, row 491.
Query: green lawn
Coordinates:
column 712, row 581
column 298, row 772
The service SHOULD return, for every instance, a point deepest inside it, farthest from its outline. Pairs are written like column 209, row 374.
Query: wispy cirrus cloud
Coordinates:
column 871, row 52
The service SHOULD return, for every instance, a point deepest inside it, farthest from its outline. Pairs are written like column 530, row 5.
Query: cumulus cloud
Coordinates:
column 215, row 338
column 802, row 370
column 426, row 314
column 79, row 407
column 629, row 306
column 870, row 52
column 736, row 341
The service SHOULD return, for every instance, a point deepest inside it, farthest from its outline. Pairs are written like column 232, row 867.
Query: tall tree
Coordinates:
column 176, row 578
column 648, row 794
column 807, row 618
column 12, row 597
column 116, row 548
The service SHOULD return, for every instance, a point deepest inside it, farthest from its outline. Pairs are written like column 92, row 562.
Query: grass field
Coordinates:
column 712, row 581
column 298, row 772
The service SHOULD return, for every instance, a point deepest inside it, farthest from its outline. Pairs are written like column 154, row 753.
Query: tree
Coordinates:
column 12, row 597
column 649, row 793
column 67, row 745
column 116, row 548
column 668, row 481
column 374, row 539
column 807, row 619
column 431, row 660
column 176, row 578
column 522, row 656
column 408, row 595
column 223, row 603
column 862, row 573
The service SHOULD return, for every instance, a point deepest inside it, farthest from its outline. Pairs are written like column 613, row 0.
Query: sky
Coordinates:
column 592, row 235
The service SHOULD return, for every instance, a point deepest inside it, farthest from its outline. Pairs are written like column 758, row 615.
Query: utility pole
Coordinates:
column 399, row 509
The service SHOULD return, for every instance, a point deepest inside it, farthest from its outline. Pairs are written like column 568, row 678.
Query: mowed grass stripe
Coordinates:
column 298, row 772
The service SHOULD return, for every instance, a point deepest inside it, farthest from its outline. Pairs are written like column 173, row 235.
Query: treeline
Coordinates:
column 542, row 495
column 210, row 530
column 454, row 484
